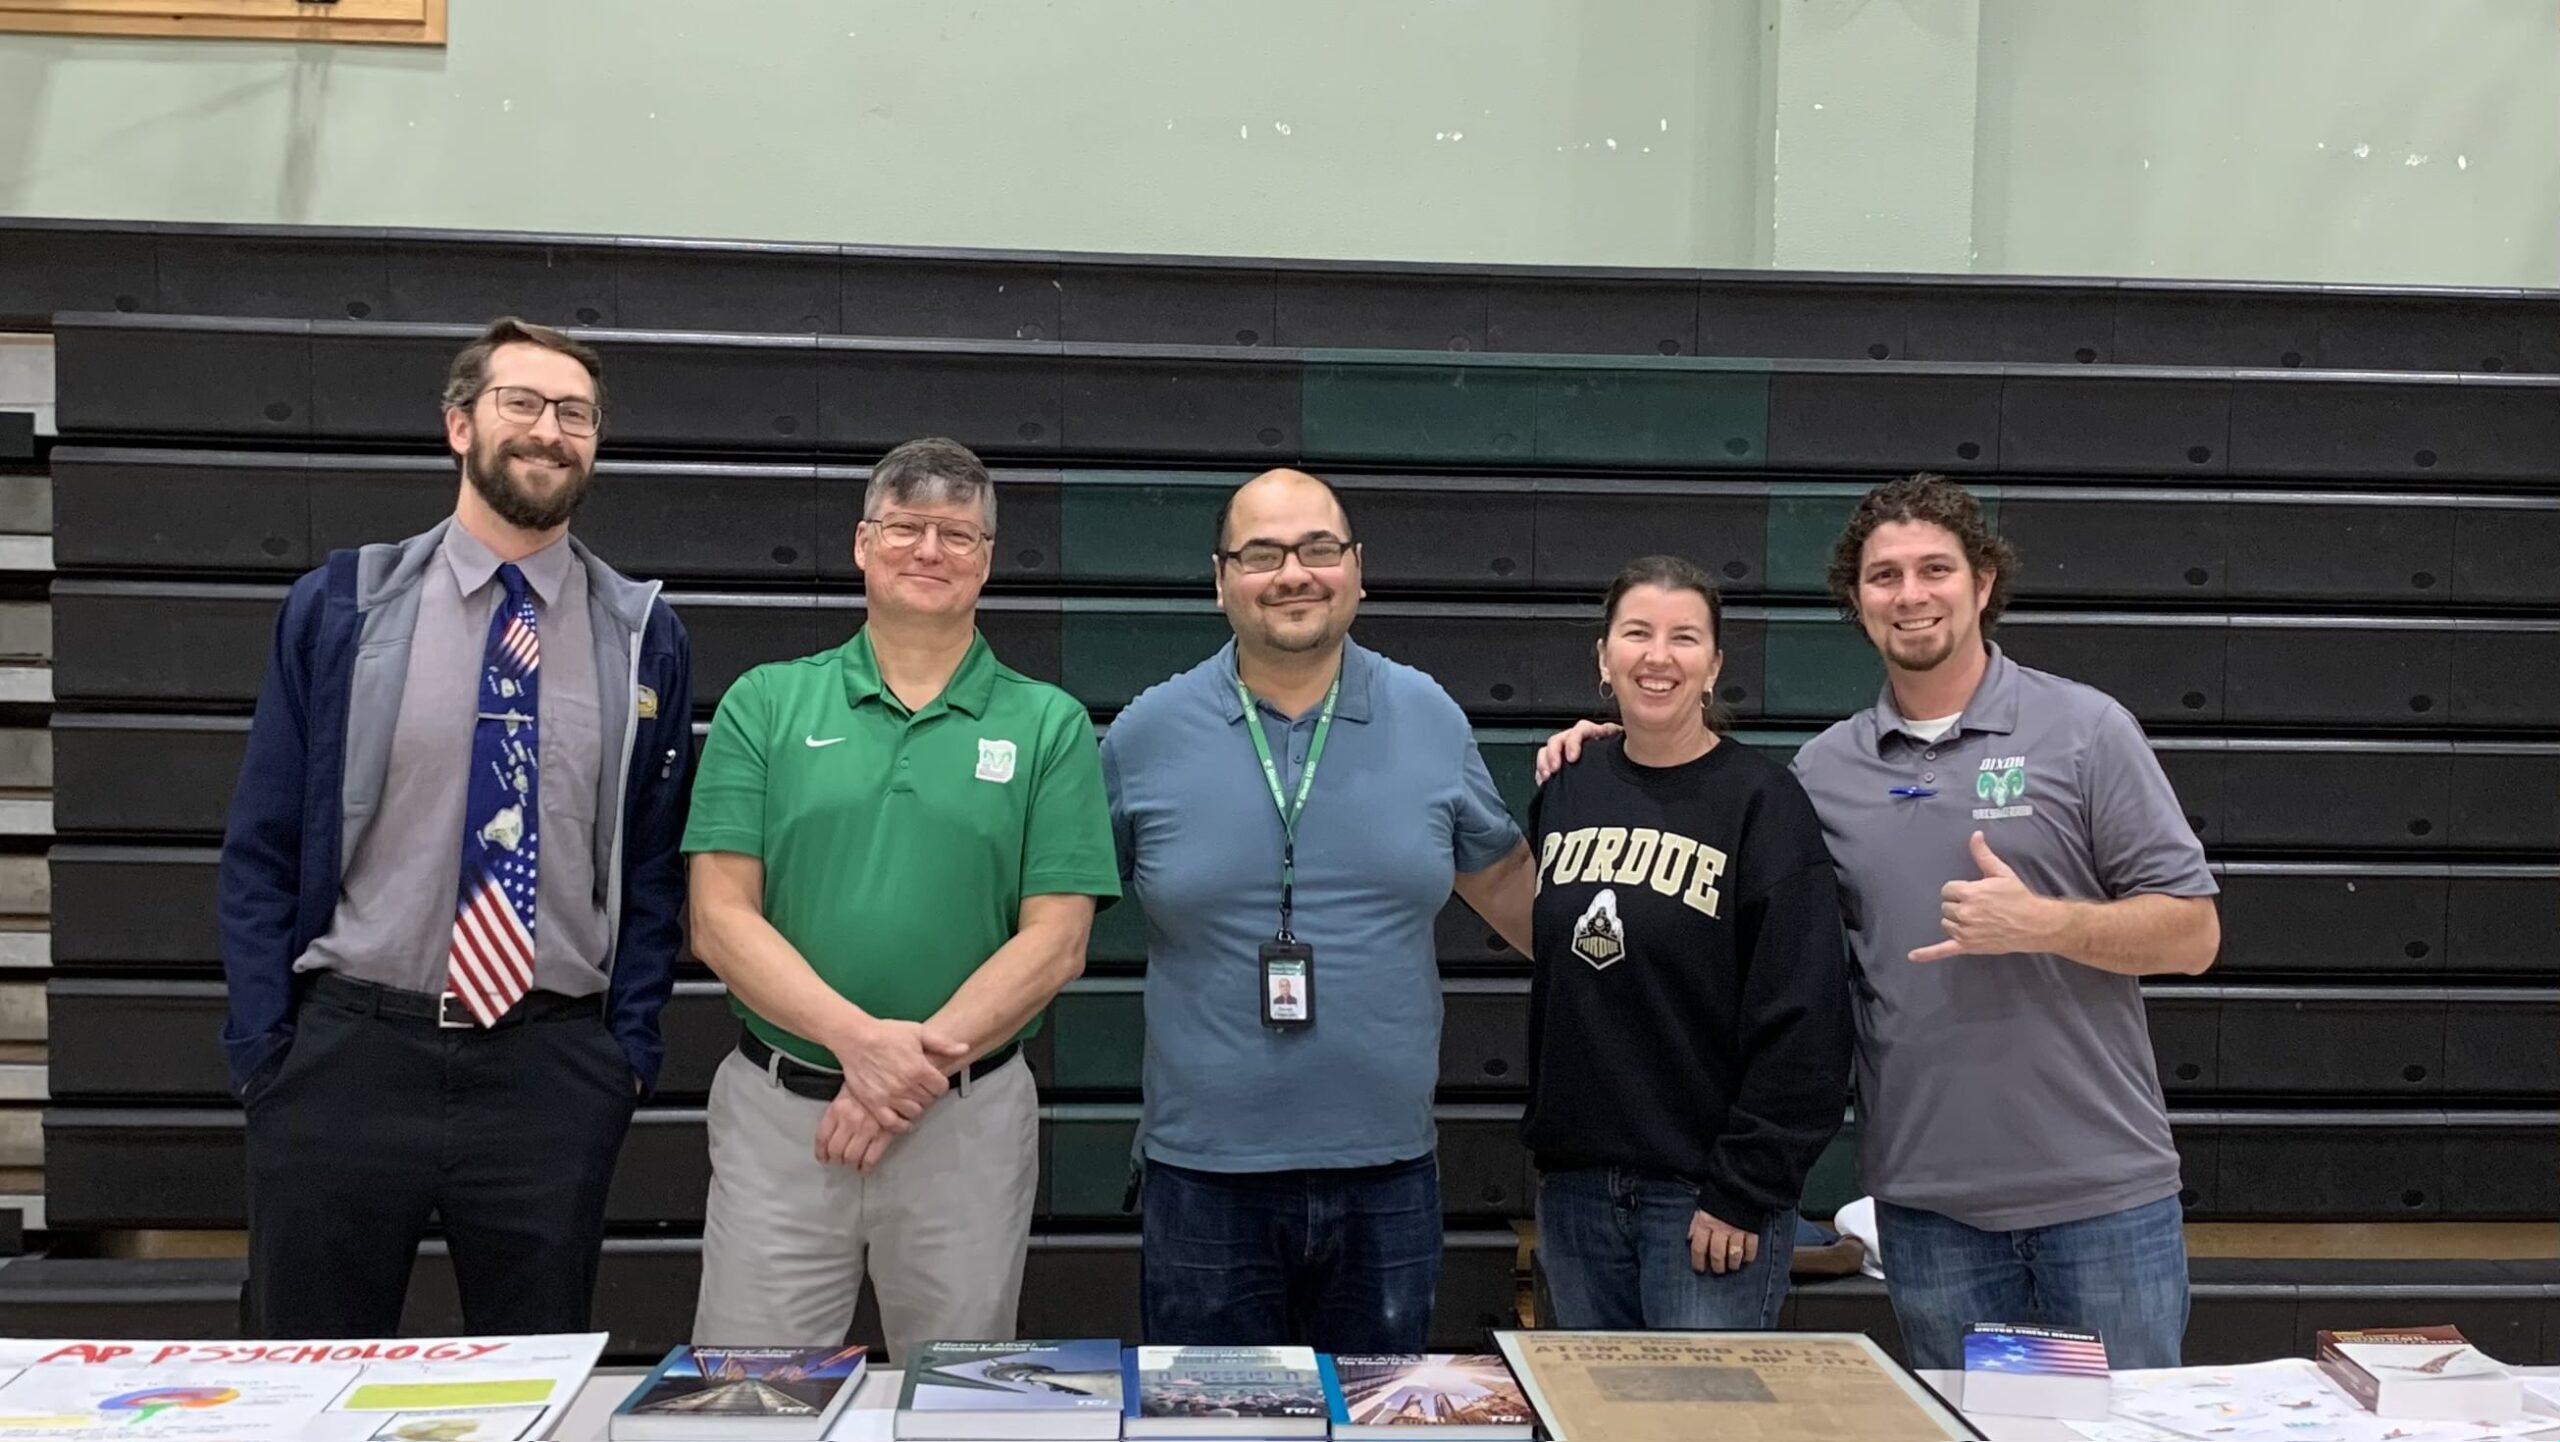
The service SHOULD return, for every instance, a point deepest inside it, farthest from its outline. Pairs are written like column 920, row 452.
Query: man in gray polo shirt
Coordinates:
column 2011, row 860
column 1292, row 996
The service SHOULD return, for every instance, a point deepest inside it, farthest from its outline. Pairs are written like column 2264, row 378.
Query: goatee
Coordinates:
column 517, row 505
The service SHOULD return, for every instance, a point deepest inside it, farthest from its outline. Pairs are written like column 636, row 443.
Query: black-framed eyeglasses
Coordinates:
column 1314, row 553
column 905, row 533
column 525, row 405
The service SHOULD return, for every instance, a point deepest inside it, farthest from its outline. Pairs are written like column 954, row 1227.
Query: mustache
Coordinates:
column 536, row 450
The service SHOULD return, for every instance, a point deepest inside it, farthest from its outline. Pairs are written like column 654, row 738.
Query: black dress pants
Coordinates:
column 375, row 1119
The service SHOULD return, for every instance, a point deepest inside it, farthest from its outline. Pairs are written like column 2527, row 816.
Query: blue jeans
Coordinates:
column 1616, row 1248
column 1341, row 1260
column 2122, row 1276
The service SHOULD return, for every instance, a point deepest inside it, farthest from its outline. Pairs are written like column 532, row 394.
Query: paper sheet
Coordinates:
column 2282, row 1401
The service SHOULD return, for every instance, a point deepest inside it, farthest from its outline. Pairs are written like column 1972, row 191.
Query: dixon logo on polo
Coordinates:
column 2001, row 787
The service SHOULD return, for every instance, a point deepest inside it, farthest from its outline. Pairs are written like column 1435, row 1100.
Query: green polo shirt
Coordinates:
column 898, row 846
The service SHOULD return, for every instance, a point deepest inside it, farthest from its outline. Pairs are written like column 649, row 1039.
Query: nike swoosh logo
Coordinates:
column 814, row 743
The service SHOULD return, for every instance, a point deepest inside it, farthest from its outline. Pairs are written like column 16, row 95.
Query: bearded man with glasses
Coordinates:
column 451, row 898
column 1293, row 813
column 897, row 847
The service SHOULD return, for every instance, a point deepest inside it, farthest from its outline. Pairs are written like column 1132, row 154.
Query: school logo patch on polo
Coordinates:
column 2000, row 787
column 995, row 760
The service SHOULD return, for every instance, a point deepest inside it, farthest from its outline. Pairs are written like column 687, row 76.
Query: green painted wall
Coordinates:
column 2365, row 140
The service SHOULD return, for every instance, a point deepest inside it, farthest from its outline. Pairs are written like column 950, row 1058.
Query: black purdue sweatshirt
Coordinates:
column 1690, row 1009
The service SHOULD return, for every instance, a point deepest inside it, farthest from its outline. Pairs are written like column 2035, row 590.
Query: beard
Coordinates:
column 1323, row 633
column 516, row 504
column 1922, row 653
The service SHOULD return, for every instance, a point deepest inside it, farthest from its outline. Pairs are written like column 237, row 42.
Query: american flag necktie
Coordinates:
column 489, row 964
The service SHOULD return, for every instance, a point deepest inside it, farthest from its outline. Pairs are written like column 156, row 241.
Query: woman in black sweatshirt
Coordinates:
column 1689, row 1023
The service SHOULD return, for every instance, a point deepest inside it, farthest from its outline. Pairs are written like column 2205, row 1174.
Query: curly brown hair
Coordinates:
column 1933, row 499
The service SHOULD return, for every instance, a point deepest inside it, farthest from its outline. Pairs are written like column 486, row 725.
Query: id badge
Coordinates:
column 1288, row 984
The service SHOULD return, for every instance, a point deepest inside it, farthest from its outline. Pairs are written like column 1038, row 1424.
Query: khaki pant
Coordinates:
column 942, row 1223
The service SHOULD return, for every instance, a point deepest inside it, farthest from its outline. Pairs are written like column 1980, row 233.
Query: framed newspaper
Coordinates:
column 1731, row 1386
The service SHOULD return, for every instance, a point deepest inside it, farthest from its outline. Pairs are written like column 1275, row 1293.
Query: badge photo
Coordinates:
column 1288, row 984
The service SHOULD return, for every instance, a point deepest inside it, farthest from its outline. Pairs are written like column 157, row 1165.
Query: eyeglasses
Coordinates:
column 524, row 406
column 904, row 534
column 1259, row 557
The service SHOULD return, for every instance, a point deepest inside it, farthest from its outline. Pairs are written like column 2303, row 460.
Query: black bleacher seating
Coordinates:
column 463, row 277
column 302, row 381
column 2324, row 586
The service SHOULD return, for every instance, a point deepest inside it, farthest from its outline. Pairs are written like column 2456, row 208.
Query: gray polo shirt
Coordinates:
column 2014, row 1091
column 396, row 903
column 1401, row 804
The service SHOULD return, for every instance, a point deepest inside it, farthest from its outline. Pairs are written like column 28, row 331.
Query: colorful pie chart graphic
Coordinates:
column 150, row 1402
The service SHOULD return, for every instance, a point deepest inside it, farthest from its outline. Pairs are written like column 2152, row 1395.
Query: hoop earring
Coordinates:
column 1606, row 694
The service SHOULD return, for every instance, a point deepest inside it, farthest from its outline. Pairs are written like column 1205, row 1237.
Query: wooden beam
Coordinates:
column 350, row 22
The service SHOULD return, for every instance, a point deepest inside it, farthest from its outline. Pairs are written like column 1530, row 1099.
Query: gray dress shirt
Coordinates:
column 396, row 904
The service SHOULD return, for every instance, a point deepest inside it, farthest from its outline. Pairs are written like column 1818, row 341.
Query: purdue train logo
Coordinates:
column 1597, row 937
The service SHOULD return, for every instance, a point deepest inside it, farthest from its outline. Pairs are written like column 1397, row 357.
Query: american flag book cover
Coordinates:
column 2038, row 1351
column 2036, row 1372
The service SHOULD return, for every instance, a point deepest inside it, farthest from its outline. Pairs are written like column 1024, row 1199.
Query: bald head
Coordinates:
column 1274, row 486
column 1302, row 605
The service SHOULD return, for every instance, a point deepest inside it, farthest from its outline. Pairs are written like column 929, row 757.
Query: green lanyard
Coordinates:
column 1289, row 811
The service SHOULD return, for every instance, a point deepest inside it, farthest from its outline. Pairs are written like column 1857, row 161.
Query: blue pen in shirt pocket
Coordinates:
column 1914, row 793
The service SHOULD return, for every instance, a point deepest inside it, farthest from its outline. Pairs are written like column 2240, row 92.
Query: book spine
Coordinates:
column 1336, row 1406
column 1129, row 1384
column 648, row 1384
column 2355, row 1381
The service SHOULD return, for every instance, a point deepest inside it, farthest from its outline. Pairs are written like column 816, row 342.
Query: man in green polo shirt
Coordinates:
column 898, row 846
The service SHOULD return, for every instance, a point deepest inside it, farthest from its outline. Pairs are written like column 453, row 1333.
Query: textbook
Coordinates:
column 1002, row 1391
column 1461, row 1396
column 786, row 1394
column 2419, row 1374
column 1226, row 1392
column 409, row 1389
column 2036, row 1372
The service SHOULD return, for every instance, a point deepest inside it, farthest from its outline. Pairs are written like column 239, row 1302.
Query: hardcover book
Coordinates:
column 2036, row 1372
column 2419, row 1374
column 1463, row 1397
column 786, row 1394
column 999, row 1391
column 1230, row 1392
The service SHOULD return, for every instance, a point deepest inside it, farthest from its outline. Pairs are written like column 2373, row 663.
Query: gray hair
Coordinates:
column 935, row 471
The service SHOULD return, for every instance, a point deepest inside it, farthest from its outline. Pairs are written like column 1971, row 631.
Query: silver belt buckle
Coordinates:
column 452, row 1015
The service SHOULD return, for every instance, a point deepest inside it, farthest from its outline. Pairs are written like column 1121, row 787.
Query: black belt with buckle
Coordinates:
column 819, row 1084
column 446, row 1011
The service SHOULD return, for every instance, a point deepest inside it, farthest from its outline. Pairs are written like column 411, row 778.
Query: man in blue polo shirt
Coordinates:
column 1291, row 870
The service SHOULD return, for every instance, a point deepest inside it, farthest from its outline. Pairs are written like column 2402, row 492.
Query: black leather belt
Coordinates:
column 819, row 1084
column 448, row 1012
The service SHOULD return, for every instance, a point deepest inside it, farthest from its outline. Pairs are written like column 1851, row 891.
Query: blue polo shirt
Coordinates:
column 1401, row 804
